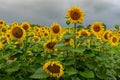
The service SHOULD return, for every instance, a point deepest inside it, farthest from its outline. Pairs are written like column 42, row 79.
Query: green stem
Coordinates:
column 75, row 35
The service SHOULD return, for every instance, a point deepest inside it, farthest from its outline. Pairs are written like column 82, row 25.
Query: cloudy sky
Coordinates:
column 45, row 12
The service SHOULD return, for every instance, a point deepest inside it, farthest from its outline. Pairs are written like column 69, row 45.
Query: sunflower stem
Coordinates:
column 75, row 35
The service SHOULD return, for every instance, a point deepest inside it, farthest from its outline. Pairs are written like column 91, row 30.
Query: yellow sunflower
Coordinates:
column 107, row 35
column 114, row 40
column 55, row 29
column 69, row 41
column 49, row 45
column 97, row 28
column 18, row 32
column 46, row 34
column 2, row 22
column 11, row 59
column 15, row 23
column 36, row 39
column 84, row 32
column 25, row 26
column 54, row 69
column 5, row 40
column 75, row 15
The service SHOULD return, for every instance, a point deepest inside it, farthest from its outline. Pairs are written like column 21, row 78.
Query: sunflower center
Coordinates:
column 25, row 27
column 96, row 28
column 1, row 22
column 84, row 33
column 105, row 36
column 67, row 40
column 54, row 68
column 56, row 29
column 45, row 34
column 114, row 40
column 51, row 45
column 17, row 32
column 75, row 15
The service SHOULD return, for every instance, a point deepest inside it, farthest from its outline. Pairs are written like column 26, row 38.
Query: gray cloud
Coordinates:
column 45, row 12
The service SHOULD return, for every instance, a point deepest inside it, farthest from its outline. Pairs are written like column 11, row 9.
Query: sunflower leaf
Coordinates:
column 39, row 74
column 70, row 71
column 87, row 74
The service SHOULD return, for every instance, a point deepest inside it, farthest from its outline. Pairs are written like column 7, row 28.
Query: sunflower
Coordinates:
column 69, row 41
column 11, row 59
column 2, row 22
column 84, row 32
column 46, row 33
column 55, row 29
column 49, row 45
column 36, row 39
column 5, row 40
column 18, row 32
column 75, row 15
column 114, row 40
column 25, row 25
column 14, row 23
column 97, row 28
column 54, row 69
column 107, row 35
column 8, row 34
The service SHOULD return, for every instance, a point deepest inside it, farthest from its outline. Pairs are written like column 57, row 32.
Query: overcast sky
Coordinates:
column 45, row 12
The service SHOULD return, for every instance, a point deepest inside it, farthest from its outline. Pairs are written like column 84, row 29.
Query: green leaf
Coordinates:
column 39, row 74
column 76, row 50
column 70, row 71
column 2, row 65
column 60, row 45
column 13, row 67
column 87, row 74
column 68, row 36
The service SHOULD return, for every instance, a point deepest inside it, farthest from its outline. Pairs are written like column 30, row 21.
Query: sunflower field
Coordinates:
column 74, row 52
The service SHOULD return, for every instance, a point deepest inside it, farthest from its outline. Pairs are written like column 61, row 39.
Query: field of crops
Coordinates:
column 74, row 52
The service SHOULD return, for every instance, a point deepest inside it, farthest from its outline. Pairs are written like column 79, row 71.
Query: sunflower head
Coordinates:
column 2, row 22
column 75, row 15
column 25, row 25
column 49, row 45
column 54, row 69
column 107, row 35
column 36, row 39
column 18, row 33
column 55, row 29
column 84, row 32
column 97, row 28
column 46, row 33
column 15, row 23
column 114, row 40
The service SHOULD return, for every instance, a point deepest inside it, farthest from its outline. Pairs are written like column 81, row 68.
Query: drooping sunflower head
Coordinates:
column 55, row 29
column 97, row 28
column 54, row 69
column 18, row 32
column 114, row 40
column 25, row 25
column 75, row 15
column 49, row 45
